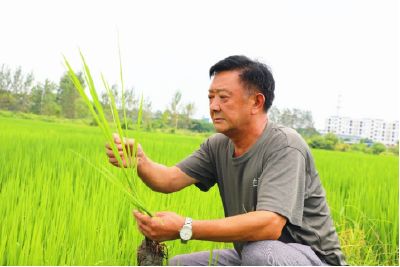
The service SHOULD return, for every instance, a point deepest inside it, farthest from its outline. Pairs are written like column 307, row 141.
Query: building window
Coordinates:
column 384, row 125
column 394, row 126
column 329, row 122
column 360, row 124
column 329, row 129
column 351, row 123
column 360, row 131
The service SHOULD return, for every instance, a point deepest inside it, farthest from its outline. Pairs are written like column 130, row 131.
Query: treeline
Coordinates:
column 19, row 94
column 332, row 142
column 300, row 120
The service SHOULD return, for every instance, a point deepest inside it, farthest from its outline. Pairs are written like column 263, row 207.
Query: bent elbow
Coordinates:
column 272, row 230
column 276, row 235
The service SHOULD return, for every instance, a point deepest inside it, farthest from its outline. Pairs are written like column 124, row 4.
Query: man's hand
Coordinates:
column 154, row 230
column 128, row 142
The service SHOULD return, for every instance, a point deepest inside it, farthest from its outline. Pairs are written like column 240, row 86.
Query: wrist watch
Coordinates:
column 186, row 231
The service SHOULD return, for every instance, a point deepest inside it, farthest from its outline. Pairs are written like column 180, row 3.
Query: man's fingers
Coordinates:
column 116, row 138
column 119, row 146
column 141, row 217
column 111, row 154
column 143, row 226
column 107, row 145
column 113, row 160
column 159, row 214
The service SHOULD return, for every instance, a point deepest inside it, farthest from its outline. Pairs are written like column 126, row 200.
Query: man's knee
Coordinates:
column 261, row 253
column 178, row 260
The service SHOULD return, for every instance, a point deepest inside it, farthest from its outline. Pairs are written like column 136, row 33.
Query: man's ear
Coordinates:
column 258, row 103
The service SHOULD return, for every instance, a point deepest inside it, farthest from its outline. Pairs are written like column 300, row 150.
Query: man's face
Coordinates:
column 230, row 108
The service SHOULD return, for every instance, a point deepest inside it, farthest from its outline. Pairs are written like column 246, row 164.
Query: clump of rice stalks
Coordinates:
column 150, row 252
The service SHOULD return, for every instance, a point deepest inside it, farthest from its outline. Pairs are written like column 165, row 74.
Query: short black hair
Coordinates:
column 255, row 76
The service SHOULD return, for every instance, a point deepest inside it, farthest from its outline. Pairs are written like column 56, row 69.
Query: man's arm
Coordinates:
column 252, row 226
column 163, row 179
column 158, row 177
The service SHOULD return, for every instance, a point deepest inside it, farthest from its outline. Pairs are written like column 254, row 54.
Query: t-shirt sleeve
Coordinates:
column 200, row 166
column 282, row 185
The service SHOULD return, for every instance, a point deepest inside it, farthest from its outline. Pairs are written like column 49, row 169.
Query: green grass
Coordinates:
column 57, row 210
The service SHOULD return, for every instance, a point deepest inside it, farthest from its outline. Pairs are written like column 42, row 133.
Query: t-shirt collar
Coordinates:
column 248, row 154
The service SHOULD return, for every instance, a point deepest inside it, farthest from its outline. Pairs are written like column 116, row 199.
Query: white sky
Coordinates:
column 316, row 49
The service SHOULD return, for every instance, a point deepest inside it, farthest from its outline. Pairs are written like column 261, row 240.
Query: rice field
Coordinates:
column 57, row 210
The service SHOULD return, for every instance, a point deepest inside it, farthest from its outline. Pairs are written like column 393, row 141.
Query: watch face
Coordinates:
column 186, row 233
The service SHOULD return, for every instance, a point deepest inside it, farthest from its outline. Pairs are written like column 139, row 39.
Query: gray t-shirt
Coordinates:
column 276, row 174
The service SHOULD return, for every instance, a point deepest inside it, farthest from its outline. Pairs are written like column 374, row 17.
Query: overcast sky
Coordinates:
column 316, row 49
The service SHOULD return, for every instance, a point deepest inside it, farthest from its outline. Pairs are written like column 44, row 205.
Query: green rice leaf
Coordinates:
column 126, row 184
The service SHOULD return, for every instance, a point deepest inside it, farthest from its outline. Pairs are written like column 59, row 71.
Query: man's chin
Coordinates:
column 219, row 128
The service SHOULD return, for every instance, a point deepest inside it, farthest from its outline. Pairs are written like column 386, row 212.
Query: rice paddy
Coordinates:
column 57, row 210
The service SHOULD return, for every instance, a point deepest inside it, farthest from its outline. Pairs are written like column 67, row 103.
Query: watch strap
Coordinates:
column 188, row 224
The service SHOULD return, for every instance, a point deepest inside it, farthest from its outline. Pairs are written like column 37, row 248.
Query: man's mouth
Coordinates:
column 218, row 119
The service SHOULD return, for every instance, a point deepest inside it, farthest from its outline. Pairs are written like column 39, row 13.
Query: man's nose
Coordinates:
column 214, row 105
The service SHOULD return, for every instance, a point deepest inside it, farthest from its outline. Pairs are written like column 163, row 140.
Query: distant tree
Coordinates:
column 158, row 114
column 366, row 140
column 287, row 118
column 307, row 119
column 15, row 89
column 274, row 114
column 147, row 105
column 164, row 119
column 44, row 99
column 317, row 142
column 395, row 149
column 307, row 133
column 132, row 102
column 68, row 94
column 342, row 146
column 20, row 89
column 81, row 109
column 378, row 148
column 189, row 111
column 333, row 139
column 329, row 145
column 202, row 126
column 5, row 78
column 174, row 108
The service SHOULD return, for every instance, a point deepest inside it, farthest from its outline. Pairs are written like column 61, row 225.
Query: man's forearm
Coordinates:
column 156, row 176
column 252, row 226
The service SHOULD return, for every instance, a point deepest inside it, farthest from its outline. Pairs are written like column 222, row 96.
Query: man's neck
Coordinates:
column 244, row 140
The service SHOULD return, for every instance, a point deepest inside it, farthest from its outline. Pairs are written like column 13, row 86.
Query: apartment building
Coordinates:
column 385, row 132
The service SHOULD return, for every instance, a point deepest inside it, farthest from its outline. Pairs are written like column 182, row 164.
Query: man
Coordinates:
column 275, row 207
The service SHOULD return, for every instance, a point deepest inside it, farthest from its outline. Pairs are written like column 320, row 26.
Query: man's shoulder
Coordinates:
column 283, row 136
column 215, row 142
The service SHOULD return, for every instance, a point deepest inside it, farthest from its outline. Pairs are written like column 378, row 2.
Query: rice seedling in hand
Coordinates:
column 126, row 183
column 149, row 252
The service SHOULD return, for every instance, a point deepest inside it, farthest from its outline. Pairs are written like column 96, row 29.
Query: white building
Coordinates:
column 385, row 132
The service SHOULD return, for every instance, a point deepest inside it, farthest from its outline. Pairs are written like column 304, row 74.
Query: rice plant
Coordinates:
column 129, row 189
